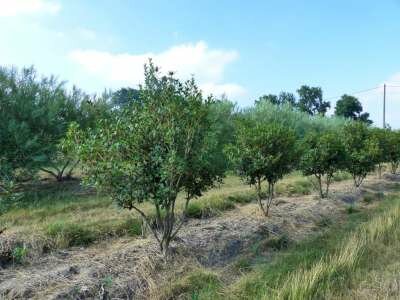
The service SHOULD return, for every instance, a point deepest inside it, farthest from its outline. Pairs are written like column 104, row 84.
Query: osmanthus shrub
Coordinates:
column 323, row 155
column 383, row 138
column 264, row 151
column 159, row 146
column 393, row 151
column 362, row 150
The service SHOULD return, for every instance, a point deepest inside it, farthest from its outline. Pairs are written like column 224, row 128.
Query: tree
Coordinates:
column 393, row 154
column 264, row 152
column 350, row 107
column 124, row 97
column 323, row 155
column 362, row 151
column 311, row 102
column 153, row 150
column 382, row 137
column 282, row 99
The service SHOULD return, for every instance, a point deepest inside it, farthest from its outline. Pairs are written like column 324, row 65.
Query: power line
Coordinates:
column 354, row 93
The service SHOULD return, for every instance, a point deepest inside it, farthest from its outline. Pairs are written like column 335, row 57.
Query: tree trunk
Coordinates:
column 259, row 196
column 270, row 197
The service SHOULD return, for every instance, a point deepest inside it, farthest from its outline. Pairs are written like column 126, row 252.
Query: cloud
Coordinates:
column 12, row 8
column 231, row 90
column 197, row 59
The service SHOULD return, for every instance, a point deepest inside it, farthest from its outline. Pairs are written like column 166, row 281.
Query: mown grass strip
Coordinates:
column 327, row 264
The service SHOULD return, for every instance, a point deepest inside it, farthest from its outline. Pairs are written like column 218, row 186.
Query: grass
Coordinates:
column 197, row 284
column 65, row 214
column 332, row 264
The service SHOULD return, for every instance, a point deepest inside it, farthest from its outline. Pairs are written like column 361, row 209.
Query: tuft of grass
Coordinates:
column 19, row 254
column 198, row 284
column 325, row 221
column 70, row 234
column 351, row 209
column 341, row 176
column 295, row 186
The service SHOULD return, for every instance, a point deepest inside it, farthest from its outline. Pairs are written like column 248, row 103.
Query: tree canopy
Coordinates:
column 350, row 107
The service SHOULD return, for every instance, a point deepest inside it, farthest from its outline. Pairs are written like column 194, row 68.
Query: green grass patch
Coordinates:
column 198, row 284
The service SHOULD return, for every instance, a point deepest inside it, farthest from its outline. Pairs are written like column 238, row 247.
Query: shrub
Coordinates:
column 362, row 151
column 264, row 152
column 323, row 155
column 163, row 144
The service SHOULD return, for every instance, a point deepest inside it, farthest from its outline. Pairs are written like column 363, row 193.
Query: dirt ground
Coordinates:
column 127, row 268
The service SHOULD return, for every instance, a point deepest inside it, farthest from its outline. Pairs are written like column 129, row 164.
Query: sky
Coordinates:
column 242, row 49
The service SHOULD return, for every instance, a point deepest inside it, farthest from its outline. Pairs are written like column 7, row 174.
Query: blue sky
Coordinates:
column 243, row 49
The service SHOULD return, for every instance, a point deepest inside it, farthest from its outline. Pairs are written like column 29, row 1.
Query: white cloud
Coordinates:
column 231, row 90
column 207, row 65
column 11, row 8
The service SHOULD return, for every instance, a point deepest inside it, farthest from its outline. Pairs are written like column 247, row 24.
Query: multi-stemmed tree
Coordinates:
column 153, row 150
column 323, row 155
column 264, row 152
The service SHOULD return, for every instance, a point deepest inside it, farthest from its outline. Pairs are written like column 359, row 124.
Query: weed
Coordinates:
column 325, row 221
column 19, row 253
column 352, row 209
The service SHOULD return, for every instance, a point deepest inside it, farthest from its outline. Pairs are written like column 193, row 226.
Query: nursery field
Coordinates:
column 71, row 242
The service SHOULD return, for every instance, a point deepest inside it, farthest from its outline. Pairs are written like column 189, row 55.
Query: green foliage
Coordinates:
column 362, row 151
column 323, row 155
column 301, row 122
column 264, row 151
column 283, row 98
column 311, row 102
column 393, row 150
column 349, row 107
column 19, row 253
column 157, row 147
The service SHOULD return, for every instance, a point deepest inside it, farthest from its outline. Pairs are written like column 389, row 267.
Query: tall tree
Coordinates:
column 281, row 99
column 311, row 101
column 124, row 97
column 350, row 107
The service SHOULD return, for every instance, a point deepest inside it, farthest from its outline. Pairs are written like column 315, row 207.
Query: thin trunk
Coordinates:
column 259, row 197
column 270, row 197
column 380, row 171
column 319, row 181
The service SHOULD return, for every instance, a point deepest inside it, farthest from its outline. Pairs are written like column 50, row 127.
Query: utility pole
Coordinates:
column 384, row 105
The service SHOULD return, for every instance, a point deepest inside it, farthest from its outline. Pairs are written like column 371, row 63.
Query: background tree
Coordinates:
column 124, row 97
column 311, row 102
column 323, row 155
column 264, row 152
column 153, row 150
column 362, row 151
column 282, row 99
column 350, row 107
